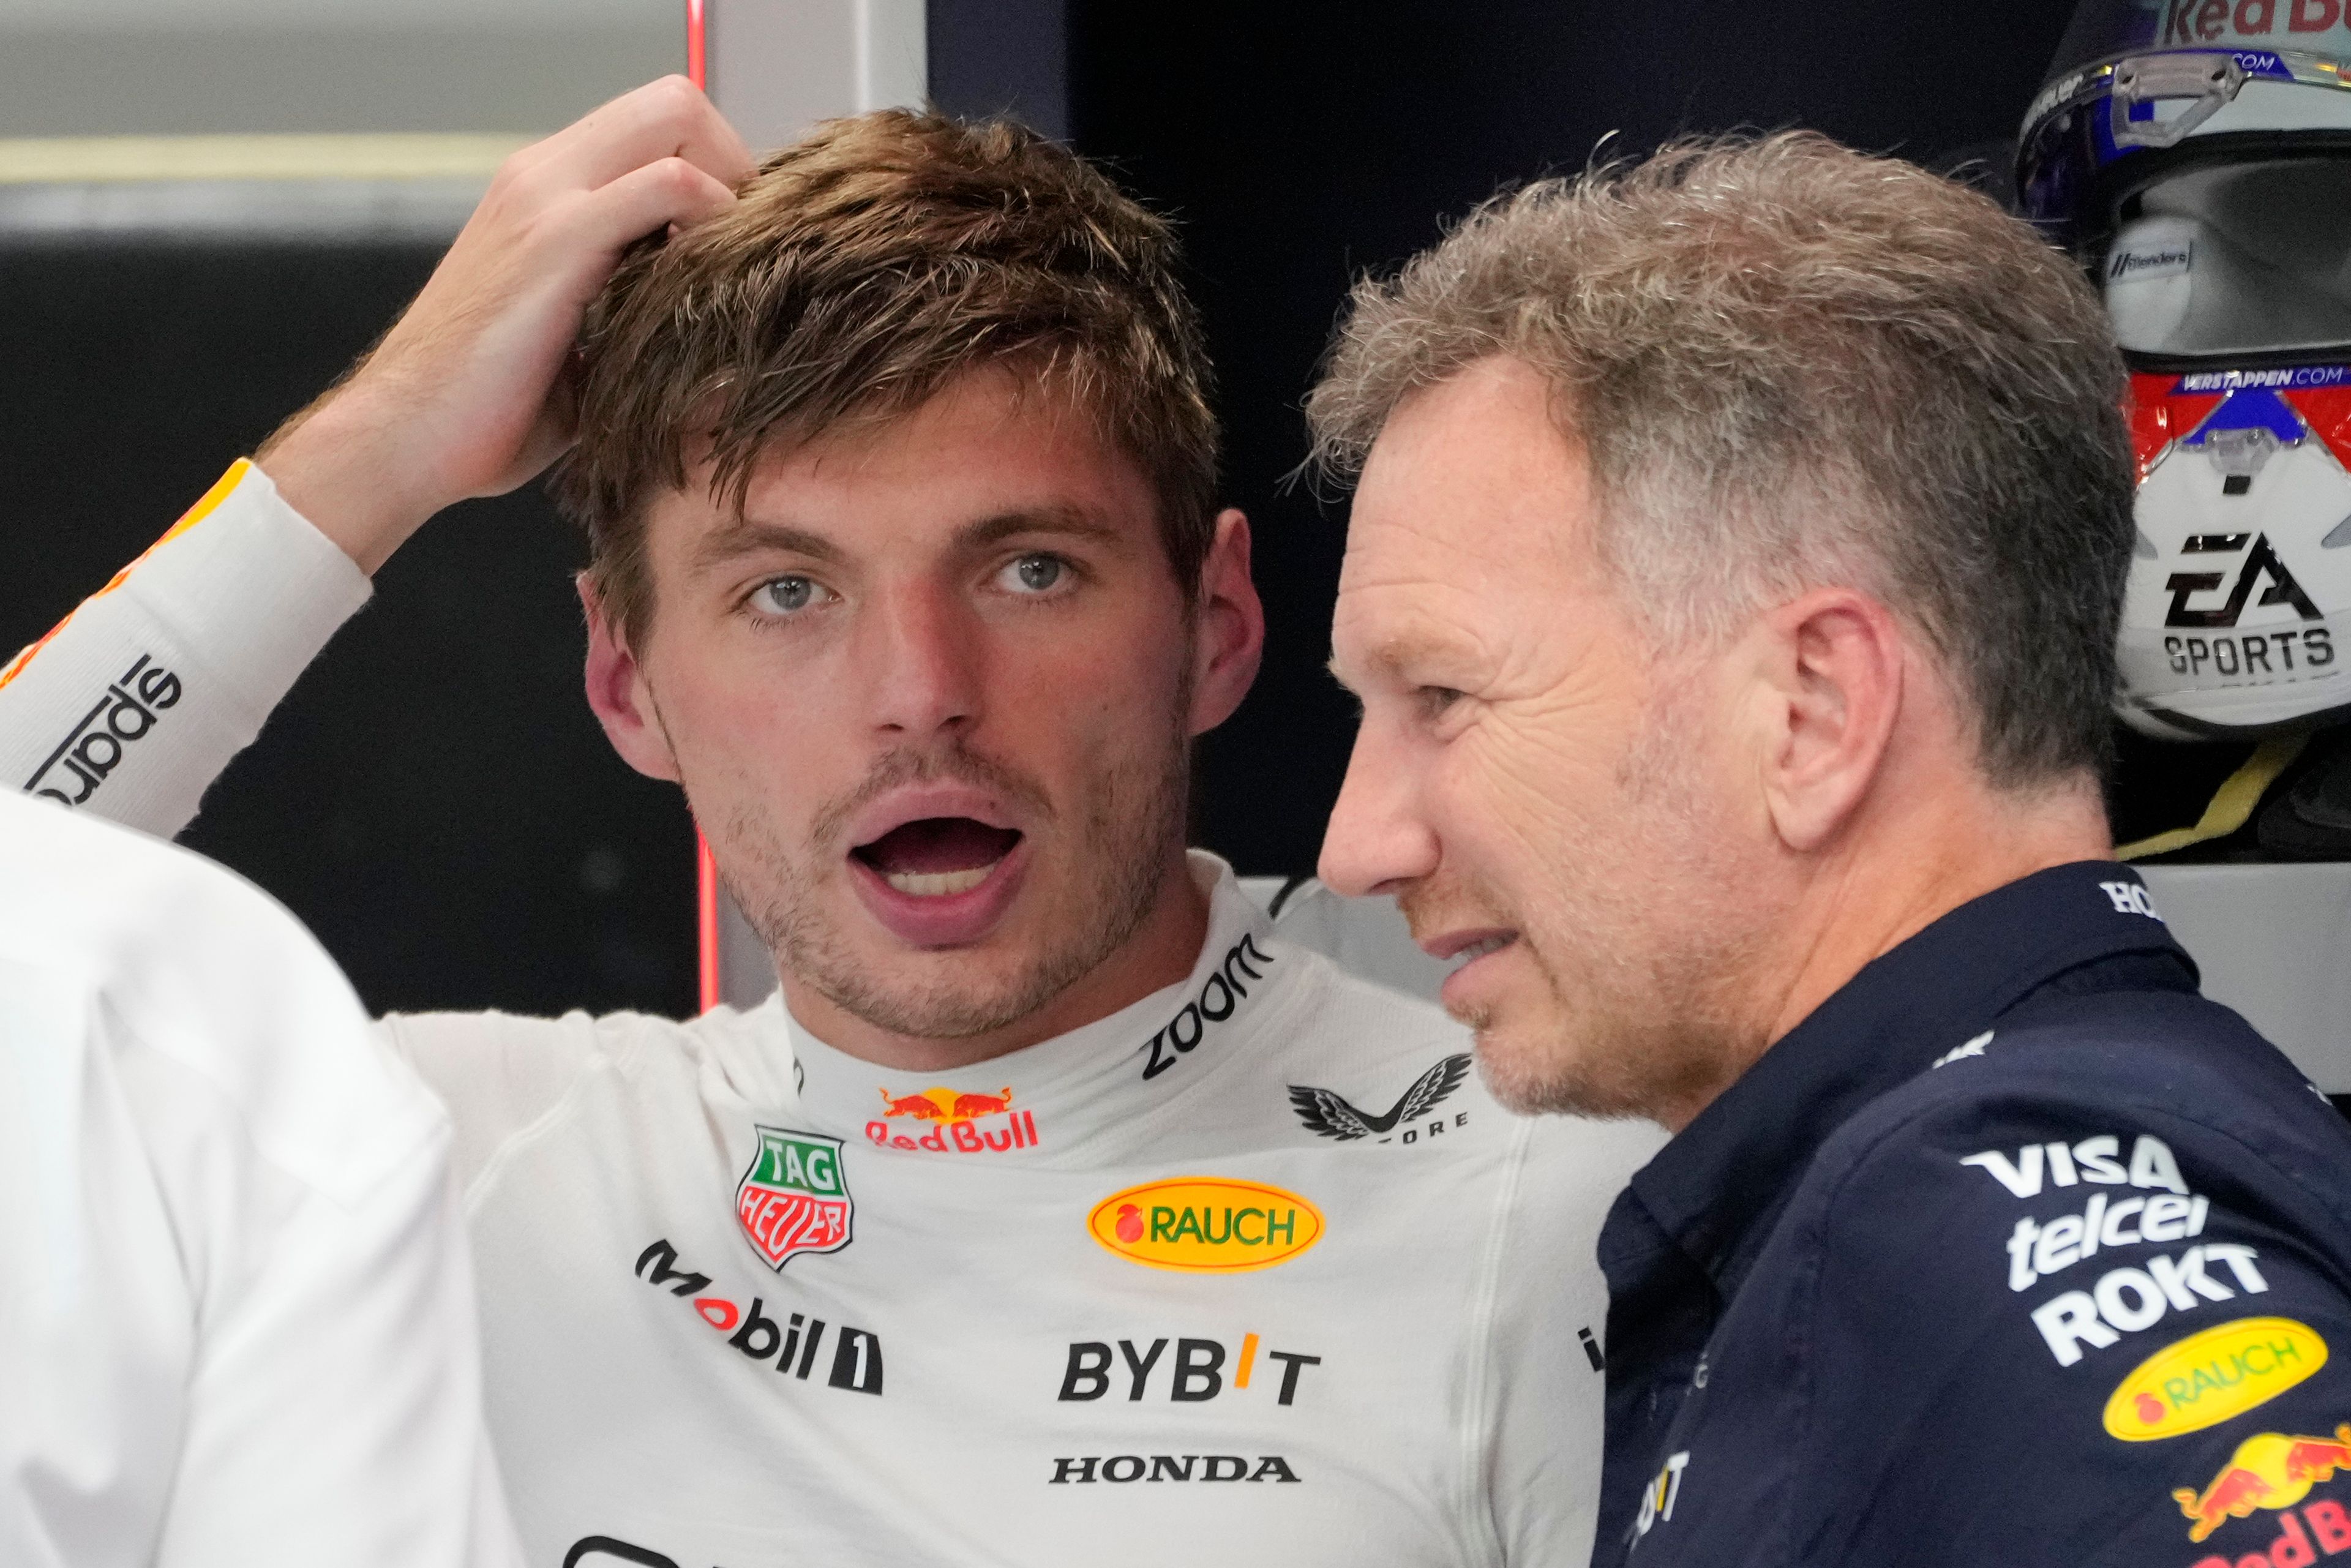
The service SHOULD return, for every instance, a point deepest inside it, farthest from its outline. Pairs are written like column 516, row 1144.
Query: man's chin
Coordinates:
column 938, row 994
column 943, row 1012
column 1521, row 1075
column 1536, row 1071
column 926, row 994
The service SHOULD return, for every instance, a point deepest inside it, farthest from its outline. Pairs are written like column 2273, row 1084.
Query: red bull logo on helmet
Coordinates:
column 2289, row 24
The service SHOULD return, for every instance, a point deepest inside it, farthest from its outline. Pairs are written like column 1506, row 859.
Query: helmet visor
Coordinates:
column 2241, row 260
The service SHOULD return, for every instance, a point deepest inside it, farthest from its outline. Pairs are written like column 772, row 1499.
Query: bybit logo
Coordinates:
column 1194, row 1374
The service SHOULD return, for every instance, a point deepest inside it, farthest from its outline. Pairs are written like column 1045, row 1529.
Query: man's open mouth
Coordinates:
column 936, row 857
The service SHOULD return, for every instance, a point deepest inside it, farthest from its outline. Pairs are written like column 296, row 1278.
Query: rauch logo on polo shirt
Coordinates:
column 2213, row 1376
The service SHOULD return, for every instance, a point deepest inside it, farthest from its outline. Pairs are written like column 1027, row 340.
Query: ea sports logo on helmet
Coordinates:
column 2242, row 577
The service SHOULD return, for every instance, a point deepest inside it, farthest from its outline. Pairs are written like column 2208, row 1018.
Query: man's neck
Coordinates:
column 1162, row 951
column 1873, row 903
column 1898, row 872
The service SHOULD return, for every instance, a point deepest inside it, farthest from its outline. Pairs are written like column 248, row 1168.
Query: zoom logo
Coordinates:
column 1220, row 993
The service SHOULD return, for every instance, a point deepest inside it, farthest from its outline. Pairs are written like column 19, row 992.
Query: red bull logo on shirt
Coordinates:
column 2272, row 1470
column 955, row 1118
column 795, row 1198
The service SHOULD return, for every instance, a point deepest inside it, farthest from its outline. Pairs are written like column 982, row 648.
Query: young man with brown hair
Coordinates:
column 1031, row 1222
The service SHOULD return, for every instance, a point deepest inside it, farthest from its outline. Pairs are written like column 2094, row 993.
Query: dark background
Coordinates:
column 1304, row 144
column 435, row 799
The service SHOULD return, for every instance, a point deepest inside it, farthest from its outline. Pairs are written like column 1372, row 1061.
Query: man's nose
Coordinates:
column 923, row 655
column 1378, row 839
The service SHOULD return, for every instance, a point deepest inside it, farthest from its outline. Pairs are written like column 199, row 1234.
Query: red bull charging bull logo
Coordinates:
column 2269, row 1470
column 953, row 1122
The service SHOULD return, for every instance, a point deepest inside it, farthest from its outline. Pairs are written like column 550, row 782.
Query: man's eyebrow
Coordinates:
column 744, row 536
column 1067, row 521
column 1390, row 656
column 747, row 535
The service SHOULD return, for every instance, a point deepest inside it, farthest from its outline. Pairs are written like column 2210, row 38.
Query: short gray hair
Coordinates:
column 1791, row 365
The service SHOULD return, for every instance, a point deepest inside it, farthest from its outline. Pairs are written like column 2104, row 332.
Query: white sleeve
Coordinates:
column 496, row 1073
column 236, row 1321
column 134, row 704
column 1549, row 1321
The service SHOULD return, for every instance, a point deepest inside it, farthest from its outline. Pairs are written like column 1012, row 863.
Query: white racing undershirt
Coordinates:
column 1252, row 1270
column 236, row 1326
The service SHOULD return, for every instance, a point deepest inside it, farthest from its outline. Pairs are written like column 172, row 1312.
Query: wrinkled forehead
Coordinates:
column 1472, row 510
column 984, row 446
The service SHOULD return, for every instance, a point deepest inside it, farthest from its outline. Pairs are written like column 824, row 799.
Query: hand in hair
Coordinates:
column 465, row 394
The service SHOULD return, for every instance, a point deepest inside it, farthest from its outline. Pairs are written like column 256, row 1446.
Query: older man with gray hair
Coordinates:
column 1731, row 592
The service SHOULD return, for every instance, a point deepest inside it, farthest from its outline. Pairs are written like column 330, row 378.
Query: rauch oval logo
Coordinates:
column 1206, row 1225
column 2209, row 1377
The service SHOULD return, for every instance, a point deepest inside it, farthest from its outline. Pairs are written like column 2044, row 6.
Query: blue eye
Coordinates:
column 784, row 595
column 1038, row 573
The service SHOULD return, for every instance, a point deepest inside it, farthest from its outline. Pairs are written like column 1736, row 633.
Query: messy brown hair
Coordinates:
column 857, row 274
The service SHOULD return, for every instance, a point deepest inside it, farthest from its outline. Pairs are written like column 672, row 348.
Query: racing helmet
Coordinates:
column 2195, row 156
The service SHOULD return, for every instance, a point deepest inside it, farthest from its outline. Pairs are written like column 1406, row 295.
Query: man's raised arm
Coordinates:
column 137, row 700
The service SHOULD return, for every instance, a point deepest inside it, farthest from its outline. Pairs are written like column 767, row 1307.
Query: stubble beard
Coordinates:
column 1136, row 811
column 1649, row 1021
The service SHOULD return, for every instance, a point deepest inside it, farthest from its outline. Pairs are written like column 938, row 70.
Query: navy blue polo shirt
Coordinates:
column 2016, row 1251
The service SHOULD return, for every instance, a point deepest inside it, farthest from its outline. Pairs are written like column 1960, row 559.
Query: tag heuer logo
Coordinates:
column 795, row 1198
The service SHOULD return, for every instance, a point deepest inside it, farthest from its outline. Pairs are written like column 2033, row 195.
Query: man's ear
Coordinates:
column 1227, row 627
column 1832, row 675
column 617, row 692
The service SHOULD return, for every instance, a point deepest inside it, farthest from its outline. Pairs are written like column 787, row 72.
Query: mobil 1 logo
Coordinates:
column 789, row 1341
